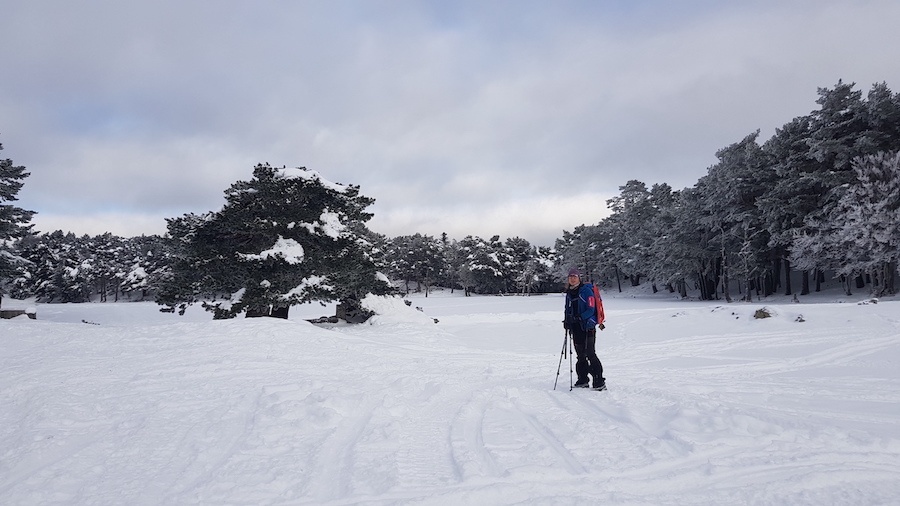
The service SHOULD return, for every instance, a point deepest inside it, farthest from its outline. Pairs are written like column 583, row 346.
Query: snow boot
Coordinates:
column 582, row 383
column 601, row 386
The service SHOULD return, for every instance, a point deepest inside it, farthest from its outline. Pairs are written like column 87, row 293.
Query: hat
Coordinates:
column 574, row 272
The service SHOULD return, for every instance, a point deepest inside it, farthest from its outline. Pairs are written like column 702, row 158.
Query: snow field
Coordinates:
column 707, row 405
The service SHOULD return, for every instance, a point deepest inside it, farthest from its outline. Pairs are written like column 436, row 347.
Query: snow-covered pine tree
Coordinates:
column 481, row 270
column 285, row 237
column 452, row 259
column 673, row 251
column 633, row 209
column 486, row 266
column 522, row 265
column 867, row 221
column 416, row 258
column 546, row 278
column 730, row 190
column 576, row 249
column 883, row 121
column 795, row 194
column 144, row 263
column 686, row 247
column 105, row 252
column 59, row 268
column 835, row 130
column 13, row 220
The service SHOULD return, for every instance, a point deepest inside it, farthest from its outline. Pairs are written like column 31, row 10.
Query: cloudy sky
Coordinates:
column 515, row 118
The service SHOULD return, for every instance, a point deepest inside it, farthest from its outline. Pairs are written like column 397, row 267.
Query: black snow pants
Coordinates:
column 585, row 350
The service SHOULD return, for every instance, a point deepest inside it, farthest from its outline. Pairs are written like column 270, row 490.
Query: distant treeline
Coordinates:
column 821, row 197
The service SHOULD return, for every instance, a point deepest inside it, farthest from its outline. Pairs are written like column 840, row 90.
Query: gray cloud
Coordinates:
column 465, row 117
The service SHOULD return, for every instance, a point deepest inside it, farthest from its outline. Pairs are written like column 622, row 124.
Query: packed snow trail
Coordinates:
column 706, row 406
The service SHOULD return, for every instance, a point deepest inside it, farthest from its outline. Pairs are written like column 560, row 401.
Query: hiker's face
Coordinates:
column 574, row 279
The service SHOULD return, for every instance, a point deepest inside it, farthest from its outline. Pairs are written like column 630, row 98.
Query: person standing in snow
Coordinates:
column 581, row 322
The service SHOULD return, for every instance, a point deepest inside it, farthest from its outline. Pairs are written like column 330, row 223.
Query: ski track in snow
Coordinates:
column 706, row 406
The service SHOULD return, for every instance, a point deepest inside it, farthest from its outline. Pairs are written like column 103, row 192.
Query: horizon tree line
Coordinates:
column 821, row 196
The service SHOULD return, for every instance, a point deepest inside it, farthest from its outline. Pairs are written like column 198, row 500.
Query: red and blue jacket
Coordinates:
column 584, row 309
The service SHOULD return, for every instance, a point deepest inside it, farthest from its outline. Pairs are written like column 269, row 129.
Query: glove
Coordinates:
column 565, row 325
column 602, row 326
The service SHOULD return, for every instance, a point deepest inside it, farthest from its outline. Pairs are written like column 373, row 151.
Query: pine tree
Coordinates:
column 522, row 265
column 482, row 271
column 883, row 121
column 867, row 222
column 416, row 258
column 633, row 210
column 283, row 238
column 58, row 268
column 13, row 220
column 730, row 190
column 144, row 263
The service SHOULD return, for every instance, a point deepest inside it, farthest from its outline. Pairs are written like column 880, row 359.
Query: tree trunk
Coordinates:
column 788, row 289
column 883, row 279
column 256, row 312
column 723, row 278
column 280, row 312
column 707, row 287
column 702, row 286
column 351, row 311
column 891, row 268
column 774, row 280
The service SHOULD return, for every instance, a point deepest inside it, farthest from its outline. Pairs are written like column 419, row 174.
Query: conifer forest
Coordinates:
column 819, row 200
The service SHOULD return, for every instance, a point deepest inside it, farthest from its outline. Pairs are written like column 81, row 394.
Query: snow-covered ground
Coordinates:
column 121, row 404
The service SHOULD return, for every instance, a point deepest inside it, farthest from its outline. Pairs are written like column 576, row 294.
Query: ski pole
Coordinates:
column 571, row 368
column 561, row 355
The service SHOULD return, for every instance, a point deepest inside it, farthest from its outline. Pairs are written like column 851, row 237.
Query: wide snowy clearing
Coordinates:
column 122, row 404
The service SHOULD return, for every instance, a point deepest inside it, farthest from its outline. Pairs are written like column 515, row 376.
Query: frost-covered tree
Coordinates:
column 578, row 249
column 675, row 238
column 286, row 237
column 14, row 221
column 796, row 192
column 521, row 264
column 453, row 260
column 632, row 212
column 882, row 133
column 416, row 258
column 730, row 191
column 862, row 235
column 835, row 132
column 57, row 268
column 61, row 267
column 685, row 248
column 143, row 263
column 482, row 270
column 106, row 253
